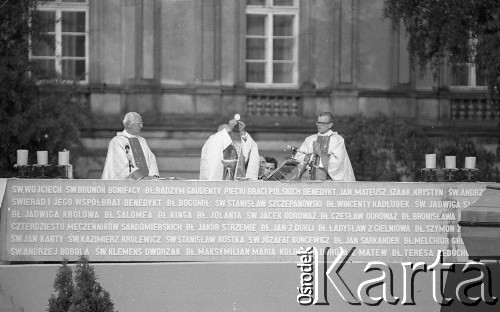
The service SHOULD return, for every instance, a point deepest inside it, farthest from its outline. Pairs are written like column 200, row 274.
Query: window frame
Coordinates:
column 471, row 78
column 58, row 7
column 471, row 71
column 270, row 11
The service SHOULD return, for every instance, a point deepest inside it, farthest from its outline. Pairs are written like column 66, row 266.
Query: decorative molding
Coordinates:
column 473, row 109
column 129, row 41
column 210, row 22
column 240, row 49
column 198, row 17
column 148, row 45
column 96, row 24
column 355, row 41
column 346, row 34
column 306, row 61
column 401, row 71
column 274, row 106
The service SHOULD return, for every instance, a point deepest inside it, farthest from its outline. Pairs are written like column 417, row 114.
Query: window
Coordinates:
column 466, row 75
column 64, row 49
column 271, row 43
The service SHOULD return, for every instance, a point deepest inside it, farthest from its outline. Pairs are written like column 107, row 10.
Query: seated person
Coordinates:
column 271, row 165
column 129, row 156
column 262, row 167
column 230, row 154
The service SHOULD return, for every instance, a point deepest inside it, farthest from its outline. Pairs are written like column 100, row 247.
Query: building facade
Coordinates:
column 189, row 65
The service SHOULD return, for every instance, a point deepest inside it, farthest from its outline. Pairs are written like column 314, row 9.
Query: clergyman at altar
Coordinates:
column 230, row 154
column 326, row 153
column 129, row 156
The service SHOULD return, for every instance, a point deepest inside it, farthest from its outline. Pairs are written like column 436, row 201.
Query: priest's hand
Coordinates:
column 232, row 123
column 316, row 149
column 242, row 127
column 136, row 175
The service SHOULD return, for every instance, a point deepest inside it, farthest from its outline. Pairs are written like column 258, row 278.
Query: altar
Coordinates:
column 188, row 245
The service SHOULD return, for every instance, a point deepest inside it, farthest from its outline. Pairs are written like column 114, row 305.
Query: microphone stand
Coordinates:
column 308, row 164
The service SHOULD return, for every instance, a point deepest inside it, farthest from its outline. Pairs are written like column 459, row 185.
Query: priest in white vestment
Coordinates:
column 326, row 153
column 230, row 155
column 129, row 156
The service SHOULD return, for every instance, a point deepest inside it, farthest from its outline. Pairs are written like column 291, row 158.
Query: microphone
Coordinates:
column 291, row 148
column 130, row 166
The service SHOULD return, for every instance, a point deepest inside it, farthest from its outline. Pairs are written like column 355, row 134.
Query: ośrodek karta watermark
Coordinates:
column 312, row 292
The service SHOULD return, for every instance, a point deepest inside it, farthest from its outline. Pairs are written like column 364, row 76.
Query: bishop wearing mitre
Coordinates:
column 230, row 154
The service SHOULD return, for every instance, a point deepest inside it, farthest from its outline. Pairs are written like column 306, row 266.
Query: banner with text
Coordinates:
column 222, row 221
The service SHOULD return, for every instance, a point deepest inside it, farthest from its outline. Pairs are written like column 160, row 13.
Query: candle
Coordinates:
column 22, row 157
column 63, row 158
column 470, row 162
column 430, row 161
column 42, row 157
column 450, row 162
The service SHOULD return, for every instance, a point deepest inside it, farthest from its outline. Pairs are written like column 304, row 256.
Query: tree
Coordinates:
column 84, row 295
column 35, row 113
column 63, row 285
column 460, row 31
column 384, row 148
column 89, row 296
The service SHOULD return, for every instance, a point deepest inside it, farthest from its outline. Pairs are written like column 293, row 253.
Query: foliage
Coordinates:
column 85, row 295
column 35, row 114
column 89, row 296
column 389, row 149
column 63, row 285
column 384, row 148
column 462, row 31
